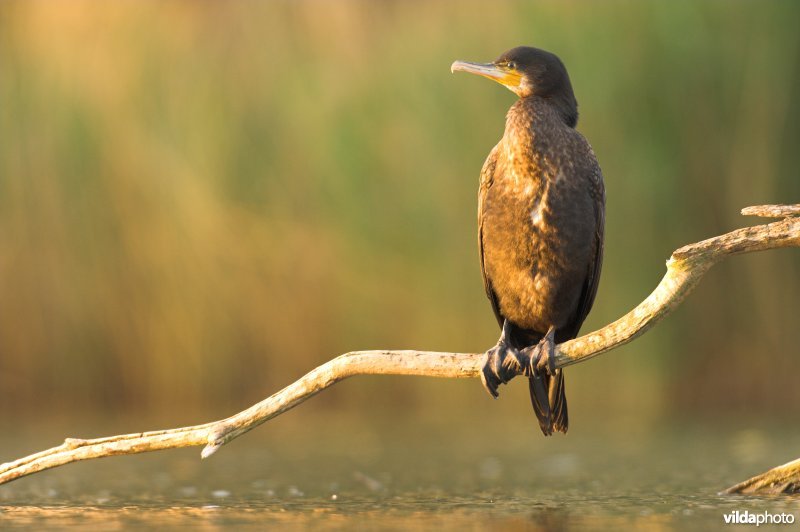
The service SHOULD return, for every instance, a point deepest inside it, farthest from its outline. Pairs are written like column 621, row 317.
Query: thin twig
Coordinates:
column 685, row 268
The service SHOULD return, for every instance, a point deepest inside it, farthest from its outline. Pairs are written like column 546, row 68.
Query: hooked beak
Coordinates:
column 508, row 77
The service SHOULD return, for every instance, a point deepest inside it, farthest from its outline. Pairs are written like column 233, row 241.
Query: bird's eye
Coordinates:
column 511, row 65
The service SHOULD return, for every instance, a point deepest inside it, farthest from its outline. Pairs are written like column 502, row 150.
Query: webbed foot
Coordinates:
column 503, row 363
column 542, row 356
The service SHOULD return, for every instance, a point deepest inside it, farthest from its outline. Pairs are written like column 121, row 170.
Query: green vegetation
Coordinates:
column 199, row 202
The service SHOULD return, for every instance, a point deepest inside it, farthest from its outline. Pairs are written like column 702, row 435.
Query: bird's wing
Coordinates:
column 593, row 275
column 487, row 178
column 555, row 385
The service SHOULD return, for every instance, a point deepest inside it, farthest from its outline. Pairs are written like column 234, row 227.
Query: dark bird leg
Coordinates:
column 503, row 363
column 543, row 355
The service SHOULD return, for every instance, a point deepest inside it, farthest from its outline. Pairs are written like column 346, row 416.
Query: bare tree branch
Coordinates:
column 685, row 268
column 784, row 479
column 772, row 211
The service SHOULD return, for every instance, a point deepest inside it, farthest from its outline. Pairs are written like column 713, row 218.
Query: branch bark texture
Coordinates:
column 685, row 268
column 784, row 479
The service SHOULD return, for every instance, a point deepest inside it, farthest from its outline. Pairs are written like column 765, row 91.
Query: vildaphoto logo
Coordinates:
column 746, row 517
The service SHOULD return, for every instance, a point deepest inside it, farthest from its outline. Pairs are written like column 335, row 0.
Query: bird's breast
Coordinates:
column 536, row 249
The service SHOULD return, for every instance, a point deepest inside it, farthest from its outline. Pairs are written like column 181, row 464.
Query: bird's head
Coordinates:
column 528, row 72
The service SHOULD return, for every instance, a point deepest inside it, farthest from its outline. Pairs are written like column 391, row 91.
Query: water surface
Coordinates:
column 400, row 479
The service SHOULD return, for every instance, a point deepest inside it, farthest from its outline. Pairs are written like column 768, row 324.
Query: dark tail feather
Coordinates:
column 558, row 402
column 538, row 386
column 549, row 401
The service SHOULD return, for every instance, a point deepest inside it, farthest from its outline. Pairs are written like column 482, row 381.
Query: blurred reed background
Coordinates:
column 201, row 201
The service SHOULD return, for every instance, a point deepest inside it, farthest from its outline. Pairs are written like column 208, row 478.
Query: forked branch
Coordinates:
column 685, row 268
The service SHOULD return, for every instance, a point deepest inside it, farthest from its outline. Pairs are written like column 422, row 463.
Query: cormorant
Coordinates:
column 541, row 211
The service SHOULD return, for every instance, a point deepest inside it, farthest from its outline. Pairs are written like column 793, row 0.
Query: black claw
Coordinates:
column 512, row 365
column 496, row 362
column 489, row 381
column 503, row 363
column 543, row 355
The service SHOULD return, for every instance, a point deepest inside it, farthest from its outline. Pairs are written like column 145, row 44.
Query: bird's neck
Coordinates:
column 531, row 123
column 528, row 120
column 534, row 110
column 533, row 129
